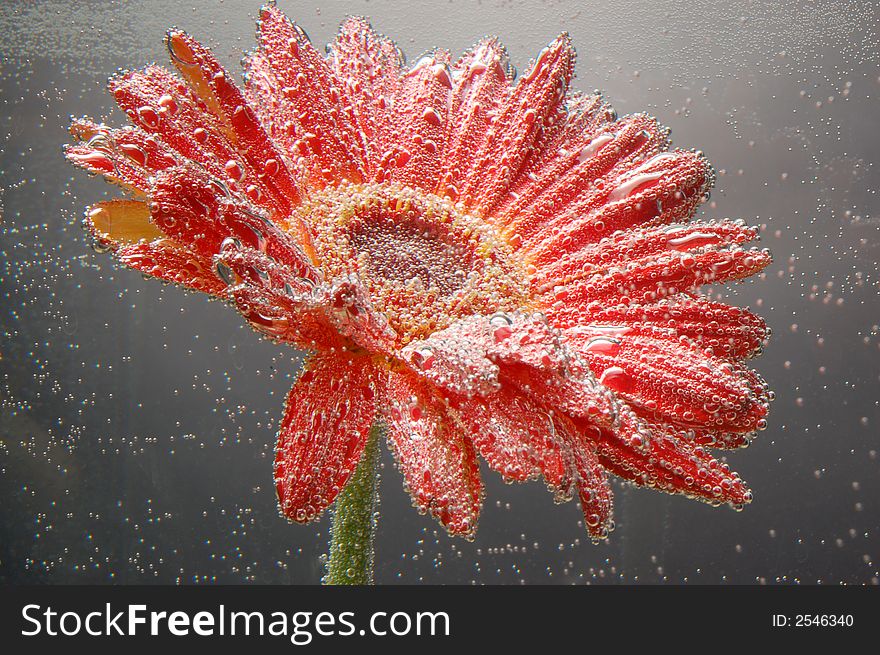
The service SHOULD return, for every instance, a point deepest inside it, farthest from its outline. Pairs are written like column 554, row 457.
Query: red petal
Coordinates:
column 161, row 104
column 420, row 112
column 369, row 66
column 464, row 357
column 127, row 156
column 594, row 489
column 574, row 390
column 570, row 175
column 480, row 85
column 166, row 260
column 216, row 89
column 730, row 332
column 674, row 465
column 182, row 123
column 284, row 319
column 515, row 436
column 664, row 189
column 303, row 102
column 636, row 248
column 538, row 96
column 327, row 420
column 438, row 463
column 200, row 213
column 648, row 281
column 714, row 439
column 584, row 117
column 673, row 380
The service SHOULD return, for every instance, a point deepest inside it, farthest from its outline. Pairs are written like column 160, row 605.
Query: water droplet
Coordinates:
column 431, row 116
column 616, row 379
column 167, row 104
column 603, row 346
column 148, row 116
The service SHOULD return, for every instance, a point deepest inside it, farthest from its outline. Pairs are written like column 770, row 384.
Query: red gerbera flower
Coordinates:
column 488, row 268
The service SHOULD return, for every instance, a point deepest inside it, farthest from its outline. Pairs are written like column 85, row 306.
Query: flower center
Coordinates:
column 424, row 261
column 410, row 252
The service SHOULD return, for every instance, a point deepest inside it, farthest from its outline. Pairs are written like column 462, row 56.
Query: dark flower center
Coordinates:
column 423, row 261
column 412, row 252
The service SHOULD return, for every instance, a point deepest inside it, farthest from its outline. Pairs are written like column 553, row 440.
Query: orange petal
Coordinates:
column 122, row 222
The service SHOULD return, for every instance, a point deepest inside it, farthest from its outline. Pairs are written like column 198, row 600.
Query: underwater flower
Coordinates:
column 487, row 267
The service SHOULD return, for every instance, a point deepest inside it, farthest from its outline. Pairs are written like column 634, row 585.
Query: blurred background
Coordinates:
column 137, row 421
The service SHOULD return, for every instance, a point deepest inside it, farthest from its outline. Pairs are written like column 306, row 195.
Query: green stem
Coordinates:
column 354, row 522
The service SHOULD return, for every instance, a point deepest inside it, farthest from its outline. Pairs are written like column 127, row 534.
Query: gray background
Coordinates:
column 137, row 421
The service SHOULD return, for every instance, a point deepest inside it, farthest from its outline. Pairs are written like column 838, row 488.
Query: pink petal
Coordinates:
column 285, row 319
column 438, row 463
column 480, row 84
column 537, row 97
column 449, row 359
column 278, row 301
column 420, row 112
column 464, row 357
column 570, row 174
column 302, row 101
column 516, row 437
column 352, row 314
column 479, row 355
column 327, row 419
column 215, row 88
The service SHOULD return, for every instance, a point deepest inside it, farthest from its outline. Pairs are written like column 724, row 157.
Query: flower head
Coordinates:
column 488, row 267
